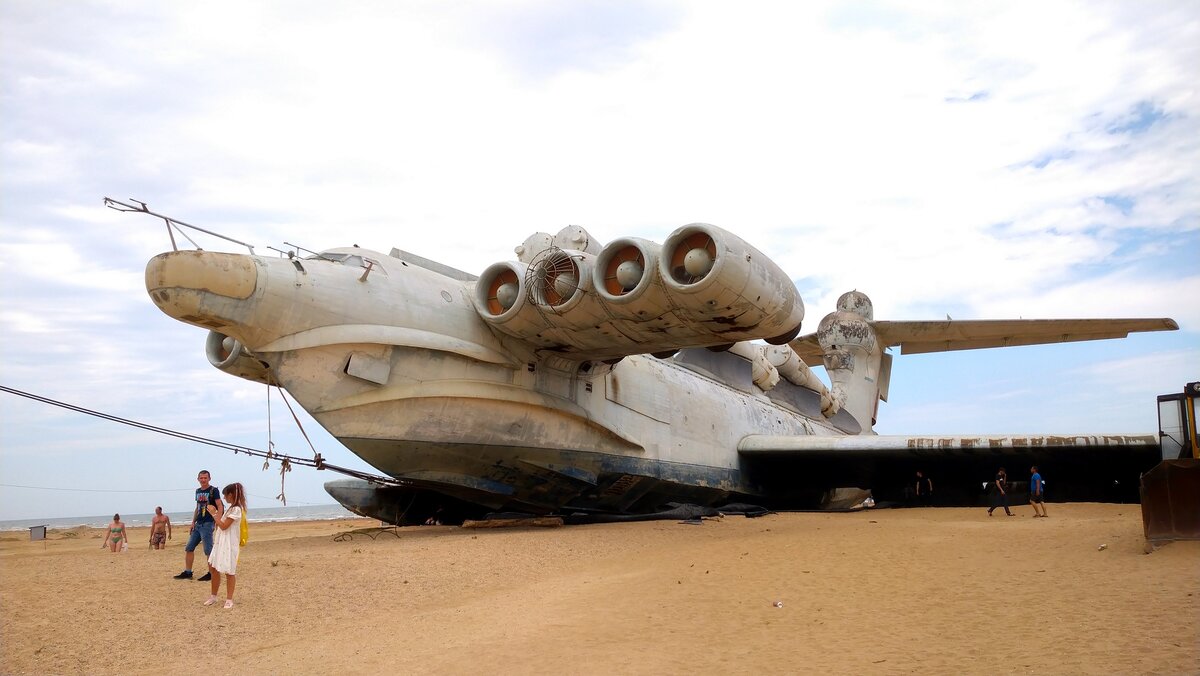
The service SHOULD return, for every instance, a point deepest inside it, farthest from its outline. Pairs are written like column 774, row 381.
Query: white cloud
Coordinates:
column 25, row 322
column 1161, row 371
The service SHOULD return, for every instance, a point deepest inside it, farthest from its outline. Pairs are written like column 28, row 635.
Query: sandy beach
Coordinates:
column 929, row 591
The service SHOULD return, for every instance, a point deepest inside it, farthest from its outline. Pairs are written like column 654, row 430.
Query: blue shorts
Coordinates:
column 201, row 531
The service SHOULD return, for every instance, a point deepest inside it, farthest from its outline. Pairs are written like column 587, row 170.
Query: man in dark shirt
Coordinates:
column 1000, row 493
column 924, row 489
column 202, row 525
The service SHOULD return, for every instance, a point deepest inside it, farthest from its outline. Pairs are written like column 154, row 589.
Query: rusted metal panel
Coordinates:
column 1171, row 501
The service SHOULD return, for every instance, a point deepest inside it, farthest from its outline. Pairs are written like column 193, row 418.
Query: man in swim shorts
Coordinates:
column 160, row 529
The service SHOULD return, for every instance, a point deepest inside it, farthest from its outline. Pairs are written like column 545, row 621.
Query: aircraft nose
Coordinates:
column 201, row 287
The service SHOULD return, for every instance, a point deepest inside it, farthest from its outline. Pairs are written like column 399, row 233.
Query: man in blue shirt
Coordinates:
column 202, row 525
column 1037, row 493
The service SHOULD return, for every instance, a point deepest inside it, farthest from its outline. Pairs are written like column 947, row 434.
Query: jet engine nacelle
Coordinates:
column 722, row 283
column 230, row 356
column 705, row 287
column 550, row 302
column 502, row 298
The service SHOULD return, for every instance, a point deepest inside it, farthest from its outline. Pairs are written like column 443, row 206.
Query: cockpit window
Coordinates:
column 327, row 256
column 349, row 260
column 353, row 260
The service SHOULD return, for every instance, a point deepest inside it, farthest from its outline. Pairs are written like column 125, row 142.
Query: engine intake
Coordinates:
column 502, row 298
column 230, row 356
column 625, row 269
column 557, row 279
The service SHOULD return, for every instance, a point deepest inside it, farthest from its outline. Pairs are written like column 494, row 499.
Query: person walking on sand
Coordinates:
column 160, row 529
column 1000, row 493
column 116, row 535
column 1037, row 493
column 226, row 543
column 201, row 529
column 924, row 489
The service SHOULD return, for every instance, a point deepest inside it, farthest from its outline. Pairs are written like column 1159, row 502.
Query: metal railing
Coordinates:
column 173, row 225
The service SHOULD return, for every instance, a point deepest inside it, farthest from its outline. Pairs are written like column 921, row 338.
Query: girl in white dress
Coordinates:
column 226, row 539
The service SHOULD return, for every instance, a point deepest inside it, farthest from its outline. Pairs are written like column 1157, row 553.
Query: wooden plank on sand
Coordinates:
column 510, row 523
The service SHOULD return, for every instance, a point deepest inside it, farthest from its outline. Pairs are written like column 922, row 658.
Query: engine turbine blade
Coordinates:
column 693, row 258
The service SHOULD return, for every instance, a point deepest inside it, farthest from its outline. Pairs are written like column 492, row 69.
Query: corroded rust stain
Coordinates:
column 857, row 303
column 844, row 328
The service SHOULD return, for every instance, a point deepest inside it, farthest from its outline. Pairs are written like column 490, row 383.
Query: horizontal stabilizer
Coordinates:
column 918, row 337
column 876, row 446
column 808, row 349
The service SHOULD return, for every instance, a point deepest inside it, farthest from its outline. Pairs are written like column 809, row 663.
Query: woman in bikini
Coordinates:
column 116, row 535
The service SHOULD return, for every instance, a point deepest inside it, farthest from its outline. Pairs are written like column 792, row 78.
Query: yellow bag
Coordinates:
column 245, row 535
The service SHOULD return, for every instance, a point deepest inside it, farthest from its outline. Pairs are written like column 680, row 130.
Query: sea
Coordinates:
column 182, row 519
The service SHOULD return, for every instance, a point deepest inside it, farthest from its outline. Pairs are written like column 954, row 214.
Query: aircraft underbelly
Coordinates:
column 524, row 456
column 544, row 479
column 491, row 438
column 473, row 422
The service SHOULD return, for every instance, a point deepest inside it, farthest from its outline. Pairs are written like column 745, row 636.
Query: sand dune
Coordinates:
column 930, row 591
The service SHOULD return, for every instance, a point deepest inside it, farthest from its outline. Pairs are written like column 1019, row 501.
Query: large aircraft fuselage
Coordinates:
column 395, row 362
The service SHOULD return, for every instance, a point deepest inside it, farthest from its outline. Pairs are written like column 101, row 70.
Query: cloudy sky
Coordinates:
column 982, row 160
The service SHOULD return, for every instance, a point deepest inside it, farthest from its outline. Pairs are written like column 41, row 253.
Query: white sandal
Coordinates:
column 228, row 603
column 211, row 600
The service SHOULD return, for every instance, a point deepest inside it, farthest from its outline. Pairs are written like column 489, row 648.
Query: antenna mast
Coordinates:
column 173, row 224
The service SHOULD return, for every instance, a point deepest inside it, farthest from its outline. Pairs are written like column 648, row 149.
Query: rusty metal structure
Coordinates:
column 1170, row 492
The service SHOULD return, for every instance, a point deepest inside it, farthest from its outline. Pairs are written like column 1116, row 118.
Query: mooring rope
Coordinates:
column 284, row 465
column 316, row 462
column 100, row 490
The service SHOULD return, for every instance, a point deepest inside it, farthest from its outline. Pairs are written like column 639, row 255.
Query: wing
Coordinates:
column 808, row 349
column 974, row 334
column 900, row 446
column 917, row 337
column 1082, row 467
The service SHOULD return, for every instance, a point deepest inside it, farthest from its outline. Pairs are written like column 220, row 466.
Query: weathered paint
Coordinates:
column 868, row 444
column 401, row 366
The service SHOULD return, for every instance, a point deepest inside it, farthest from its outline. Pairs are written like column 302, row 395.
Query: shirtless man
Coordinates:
column 160, row 529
